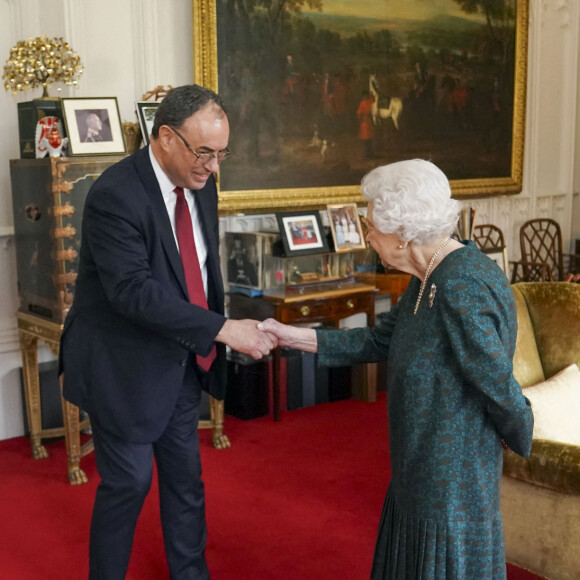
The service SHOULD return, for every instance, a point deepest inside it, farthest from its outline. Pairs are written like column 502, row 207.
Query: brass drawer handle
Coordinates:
column 350, row 304
column 305, row 310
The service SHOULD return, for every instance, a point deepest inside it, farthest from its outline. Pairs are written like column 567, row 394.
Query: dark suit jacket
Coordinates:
column 132, row 331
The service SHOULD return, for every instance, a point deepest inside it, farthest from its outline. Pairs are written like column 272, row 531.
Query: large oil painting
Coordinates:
column 319, row 92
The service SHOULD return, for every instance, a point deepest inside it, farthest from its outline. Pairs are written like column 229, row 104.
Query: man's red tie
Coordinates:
column 193, row 279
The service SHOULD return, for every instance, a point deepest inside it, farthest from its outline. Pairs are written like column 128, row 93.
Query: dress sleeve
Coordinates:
column 347, row 347
column 481, row 323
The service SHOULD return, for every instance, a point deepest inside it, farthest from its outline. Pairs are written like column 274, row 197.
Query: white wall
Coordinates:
column 131, row 46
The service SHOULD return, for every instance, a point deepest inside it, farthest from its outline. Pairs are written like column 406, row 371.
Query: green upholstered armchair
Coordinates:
column 541, row 494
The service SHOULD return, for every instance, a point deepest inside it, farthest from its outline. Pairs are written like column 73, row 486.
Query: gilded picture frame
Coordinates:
column 345, row 226
column 294, row 82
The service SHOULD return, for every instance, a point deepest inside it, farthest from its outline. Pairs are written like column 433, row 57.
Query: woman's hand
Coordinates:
column 291, row 336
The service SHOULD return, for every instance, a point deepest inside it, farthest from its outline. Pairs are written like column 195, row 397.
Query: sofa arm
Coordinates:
column 552, row 465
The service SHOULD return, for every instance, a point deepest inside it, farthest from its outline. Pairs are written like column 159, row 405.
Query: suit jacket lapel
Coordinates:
column 149, row 180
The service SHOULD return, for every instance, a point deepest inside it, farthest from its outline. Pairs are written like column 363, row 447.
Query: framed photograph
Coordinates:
column 302, row 233
column 244, row 261
column 146, row 114
column 93, row 126
column 345, row 227
column 333, row 89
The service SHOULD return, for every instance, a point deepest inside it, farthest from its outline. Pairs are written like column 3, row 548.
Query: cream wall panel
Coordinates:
column 173, row 50
column 106, row 47
column 11, row 403
column 9, row 25
column 569, row 13
column 554, row 118
column 504, row 209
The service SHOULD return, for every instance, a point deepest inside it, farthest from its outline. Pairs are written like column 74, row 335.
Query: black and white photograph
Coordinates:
column 93, row 126
column 245, row 257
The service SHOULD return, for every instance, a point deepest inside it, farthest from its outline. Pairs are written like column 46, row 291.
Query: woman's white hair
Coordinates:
column 411, row 199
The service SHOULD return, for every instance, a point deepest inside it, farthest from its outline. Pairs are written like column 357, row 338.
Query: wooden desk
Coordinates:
column 31, row 329
column 329, row 308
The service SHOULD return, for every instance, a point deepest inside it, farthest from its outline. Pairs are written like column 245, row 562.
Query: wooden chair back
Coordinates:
column 541, row 243
column 489, row 239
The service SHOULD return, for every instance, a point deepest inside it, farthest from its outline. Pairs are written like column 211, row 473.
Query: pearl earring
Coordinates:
column 401, row 247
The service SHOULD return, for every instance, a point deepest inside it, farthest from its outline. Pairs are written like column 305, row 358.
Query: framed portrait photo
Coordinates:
column 93, row 126
column 146, row 114
column 302, row 233
column 345, row 227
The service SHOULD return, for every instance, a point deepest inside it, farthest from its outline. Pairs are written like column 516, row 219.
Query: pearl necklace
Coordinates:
column 424, row 283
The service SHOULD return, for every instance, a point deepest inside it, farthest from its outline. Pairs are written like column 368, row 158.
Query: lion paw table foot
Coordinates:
column 39, row 452
column 76, row 476
column 221, row 442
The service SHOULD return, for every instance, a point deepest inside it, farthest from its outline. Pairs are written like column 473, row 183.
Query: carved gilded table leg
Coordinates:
column 70, row 413
column 216, row 410
column 31, row 329
column 28, row 346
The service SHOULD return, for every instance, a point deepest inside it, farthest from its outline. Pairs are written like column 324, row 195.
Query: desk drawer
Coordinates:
column 327, row 309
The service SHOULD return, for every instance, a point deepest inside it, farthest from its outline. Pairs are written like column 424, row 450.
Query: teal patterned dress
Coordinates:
column 452, row 405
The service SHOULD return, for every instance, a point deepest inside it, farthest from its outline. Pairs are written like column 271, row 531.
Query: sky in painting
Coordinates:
column 415, row 9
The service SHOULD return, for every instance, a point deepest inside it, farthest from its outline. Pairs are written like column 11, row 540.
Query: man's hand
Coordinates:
column 245, row 336
column 292, row 336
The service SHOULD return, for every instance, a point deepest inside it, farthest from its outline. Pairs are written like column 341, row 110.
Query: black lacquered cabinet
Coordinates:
column 48, row 198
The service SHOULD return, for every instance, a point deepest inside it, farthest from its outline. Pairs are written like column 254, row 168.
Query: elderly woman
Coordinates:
column 453, row 401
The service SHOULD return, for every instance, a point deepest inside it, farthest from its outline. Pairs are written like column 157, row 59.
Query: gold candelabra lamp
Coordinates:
column 40, row 62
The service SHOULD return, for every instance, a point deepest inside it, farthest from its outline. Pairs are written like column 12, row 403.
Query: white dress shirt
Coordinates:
column 170, row 199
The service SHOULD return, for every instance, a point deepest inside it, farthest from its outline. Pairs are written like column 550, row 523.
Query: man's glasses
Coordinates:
column 203, row 158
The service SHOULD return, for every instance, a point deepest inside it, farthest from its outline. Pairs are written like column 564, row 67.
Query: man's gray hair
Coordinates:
column 182, row 102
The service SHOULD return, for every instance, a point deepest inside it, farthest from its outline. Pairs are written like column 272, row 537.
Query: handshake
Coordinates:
column 257, row 339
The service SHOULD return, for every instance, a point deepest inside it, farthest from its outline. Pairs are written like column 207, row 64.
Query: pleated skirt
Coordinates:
column 410, row 547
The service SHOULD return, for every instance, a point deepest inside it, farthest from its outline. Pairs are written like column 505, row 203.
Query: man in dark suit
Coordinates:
column 139, row 344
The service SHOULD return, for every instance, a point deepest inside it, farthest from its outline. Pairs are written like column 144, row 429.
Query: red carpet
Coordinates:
column 294, row 500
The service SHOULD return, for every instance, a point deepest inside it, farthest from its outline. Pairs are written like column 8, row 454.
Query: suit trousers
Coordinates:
column 126, row 471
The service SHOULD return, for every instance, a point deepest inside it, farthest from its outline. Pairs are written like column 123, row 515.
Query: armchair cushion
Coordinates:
column 550, row 465
column 554, row 310
column 556, row 406
column 527, row 363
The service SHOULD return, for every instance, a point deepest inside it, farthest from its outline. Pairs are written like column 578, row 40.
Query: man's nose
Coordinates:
column 213, row 165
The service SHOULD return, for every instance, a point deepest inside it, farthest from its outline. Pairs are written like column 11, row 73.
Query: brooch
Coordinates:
column 432, row 295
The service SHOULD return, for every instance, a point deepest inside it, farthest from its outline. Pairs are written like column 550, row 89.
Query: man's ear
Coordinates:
column 164, row 137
